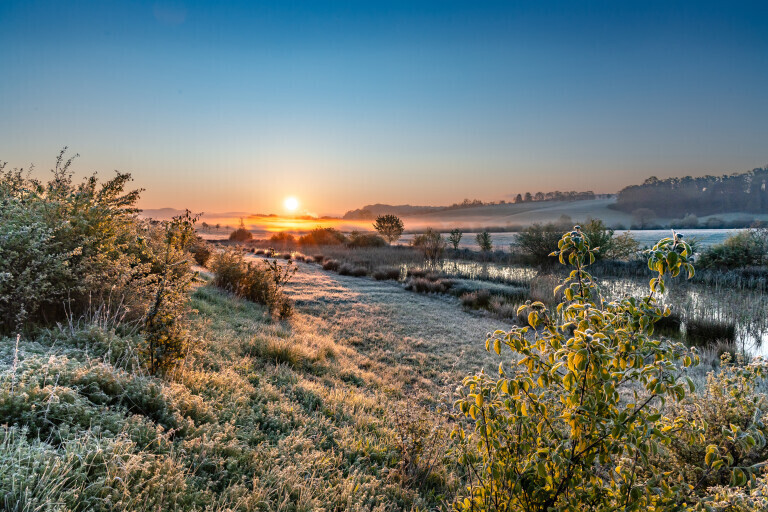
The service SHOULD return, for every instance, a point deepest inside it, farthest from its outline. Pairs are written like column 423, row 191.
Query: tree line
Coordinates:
column 706, row 195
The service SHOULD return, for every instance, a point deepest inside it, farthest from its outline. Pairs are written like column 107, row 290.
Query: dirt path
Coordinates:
column 423, row 339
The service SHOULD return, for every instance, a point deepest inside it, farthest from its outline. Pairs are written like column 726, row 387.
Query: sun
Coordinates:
column 291, row 204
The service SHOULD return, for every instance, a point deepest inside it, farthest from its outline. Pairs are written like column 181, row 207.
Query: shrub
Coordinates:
column 389, row 226
column 623, row 247
column 552, row 432
column 331, row 265
column 241, row 234
column 479, row 299
column 358, row 239
column 282, row 238
column 745, row 248
column 384, row 274
column 431, row 244
column 425, row 285
column 323, row 236
column 484, row 241
column 347, row 269
column 201, row 251
column 260, row 282
column 730, row 415
column 165, row 335
column 67, row 250
column 537, row 241
column 455, row 238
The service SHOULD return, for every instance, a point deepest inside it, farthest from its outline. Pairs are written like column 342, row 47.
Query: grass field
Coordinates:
column 320, row 412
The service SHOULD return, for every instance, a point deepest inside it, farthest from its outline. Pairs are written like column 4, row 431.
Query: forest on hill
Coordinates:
column 705, row 195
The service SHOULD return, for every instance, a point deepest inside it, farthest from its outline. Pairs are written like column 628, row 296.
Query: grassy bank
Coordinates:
column 261, row 415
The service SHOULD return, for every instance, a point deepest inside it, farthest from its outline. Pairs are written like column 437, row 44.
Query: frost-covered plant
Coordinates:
column 260, row 282
column 574, row 418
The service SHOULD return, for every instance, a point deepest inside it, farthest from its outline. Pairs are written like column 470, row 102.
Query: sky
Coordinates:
column 235, row 105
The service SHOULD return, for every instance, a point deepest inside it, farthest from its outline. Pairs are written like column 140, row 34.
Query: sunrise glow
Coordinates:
column 291, row 204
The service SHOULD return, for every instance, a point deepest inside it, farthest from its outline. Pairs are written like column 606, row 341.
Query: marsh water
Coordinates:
column 645, row 237
column 704, row 315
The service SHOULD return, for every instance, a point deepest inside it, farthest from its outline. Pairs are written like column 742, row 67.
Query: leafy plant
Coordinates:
column 536, row 242
column 68, row 249
column 552, row 432
column 745, row 248
column 483, row 240
column 389, row 226
column 431, row 244
column 165, row 335
column 455, row 238
column 260, row 282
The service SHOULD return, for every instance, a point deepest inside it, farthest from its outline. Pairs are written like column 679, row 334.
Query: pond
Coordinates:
column 646, row 237
column 704, row 312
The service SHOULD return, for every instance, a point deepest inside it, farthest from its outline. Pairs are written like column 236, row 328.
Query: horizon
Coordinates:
column 341, row 105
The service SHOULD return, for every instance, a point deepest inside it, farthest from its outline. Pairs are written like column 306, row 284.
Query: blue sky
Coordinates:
column 231, row 106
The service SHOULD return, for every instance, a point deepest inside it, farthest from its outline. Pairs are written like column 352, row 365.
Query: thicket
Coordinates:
column 431, row 244
column 323, row 236
column 747, row 248
column 593, row 412
column 261, row 282
column 357, row 239
column 77, row 252
column 536, row 242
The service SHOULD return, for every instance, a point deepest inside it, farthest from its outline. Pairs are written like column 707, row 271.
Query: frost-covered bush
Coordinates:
column 260, row 282
column 72, row 252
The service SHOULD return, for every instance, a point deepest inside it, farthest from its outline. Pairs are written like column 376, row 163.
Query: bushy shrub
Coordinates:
column 260, row 282
column 386, row 273
column 430, row 243
column 331, row 265
column 323, row 236
column 282, row 238
column 425, row 285
column 201, row 251
column 484, row 241
column 69, row 249
column 347, row 269
column 552, row 431
column 358, row 239
column 536, row 242
column 241, row 234
column 730, row 415
column 743, row 249
column 479, row 299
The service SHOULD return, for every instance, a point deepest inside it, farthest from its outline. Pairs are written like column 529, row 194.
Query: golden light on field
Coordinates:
column 291, row 204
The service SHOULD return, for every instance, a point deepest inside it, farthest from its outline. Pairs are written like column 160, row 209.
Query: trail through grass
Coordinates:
column 319, row 412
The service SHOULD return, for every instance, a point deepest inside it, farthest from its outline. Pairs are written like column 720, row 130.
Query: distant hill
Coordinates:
column 372, row 211
column 704, row 195
column 169, row 213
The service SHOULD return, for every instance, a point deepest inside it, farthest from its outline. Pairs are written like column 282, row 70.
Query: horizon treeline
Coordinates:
column 371, row 211
column 705, row 195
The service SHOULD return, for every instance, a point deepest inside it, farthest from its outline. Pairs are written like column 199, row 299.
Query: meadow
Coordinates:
column 143, row 368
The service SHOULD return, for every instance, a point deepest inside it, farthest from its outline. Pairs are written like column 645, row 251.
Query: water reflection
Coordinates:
column 708, row 309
